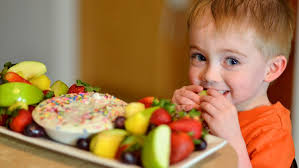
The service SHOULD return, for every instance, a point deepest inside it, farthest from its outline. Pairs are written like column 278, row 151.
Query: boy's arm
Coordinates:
column 222, row 118
column 240, row 147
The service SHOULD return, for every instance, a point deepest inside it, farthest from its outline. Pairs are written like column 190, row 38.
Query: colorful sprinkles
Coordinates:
column 79, row 112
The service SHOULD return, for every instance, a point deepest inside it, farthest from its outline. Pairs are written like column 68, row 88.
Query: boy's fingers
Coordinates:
column 194, row 88
column 216, row 102
column 181, row 100
column 208, row 118
column 208, row 108
column 188, row 107
column 190, row 95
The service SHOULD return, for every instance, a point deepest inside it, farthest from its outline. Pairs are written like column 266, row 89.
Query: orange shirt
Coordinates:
column 267, row 132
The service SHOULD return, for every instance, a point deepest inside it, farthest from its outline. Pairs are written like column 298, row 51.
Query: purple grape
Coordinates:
column 34, row 130
column 129, row 158
column 83, row 143
column 119, row 122
column 203, row 145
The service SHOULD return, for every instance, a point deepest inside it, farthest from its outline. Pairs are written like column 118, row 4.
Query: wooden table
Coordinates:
column 18, row 154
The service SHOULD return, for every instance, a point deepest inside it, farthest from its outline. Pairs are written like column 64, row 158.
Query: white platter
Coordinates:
column 214, row 144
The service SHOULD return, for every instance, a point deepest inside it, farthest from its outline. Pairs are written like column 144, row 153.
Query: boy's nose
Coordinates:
column 211, row 74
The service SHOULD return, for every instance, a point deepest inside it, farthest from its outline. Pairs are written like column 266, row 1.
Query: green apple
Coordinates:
column 106, row 143
column 29, row 69
column 138, row 123
column 42, row 82
column 133, row 108
column 156, row 148
column 203, row 93
column 59, row 88
column 18, row 105
column 10, row 93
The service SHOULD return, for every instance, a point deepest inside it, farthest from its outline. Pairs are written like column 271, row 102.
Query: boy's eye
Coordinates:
column 199, row 57
column 231, row 61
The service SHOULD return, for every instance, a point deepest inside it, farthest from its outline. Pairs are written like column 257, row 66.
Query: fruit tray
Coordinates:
column 214, row 144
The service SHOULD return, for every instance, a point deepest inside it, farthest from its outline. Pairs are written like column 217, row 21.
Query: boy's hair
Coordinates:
column 272, row 21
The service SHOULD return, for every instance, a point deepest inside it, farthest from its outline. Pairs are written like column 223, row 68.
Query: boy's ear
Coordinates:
column 276, row 66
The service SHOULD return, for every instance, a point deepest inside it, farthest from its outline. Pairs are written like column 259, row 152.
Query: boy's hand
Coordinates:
column 221, row 116
column 187, row 98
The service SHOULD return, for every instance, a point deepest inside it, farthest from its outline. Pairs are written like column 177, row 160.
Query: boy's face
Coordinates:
column 229, row 62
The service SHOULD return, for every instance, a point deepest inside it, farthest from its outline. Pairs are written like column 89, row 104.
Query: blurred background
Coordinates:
column 130, row 49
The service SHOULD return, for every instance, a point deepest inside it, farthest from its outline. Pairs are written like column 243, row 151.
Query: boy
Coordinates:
column 237, row 47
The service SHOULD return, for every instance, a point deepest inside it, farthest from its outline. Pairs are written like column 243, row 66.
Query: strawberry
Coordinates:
column 76, row 89
column 82, row 87
column 188, row 125
column 14, row 77
column 48, row 94
column 121, row 150
column 160, row 116
column 19, row 122
column 3, row 119
column 181, row 146
column 31, row 108
column 147, row 101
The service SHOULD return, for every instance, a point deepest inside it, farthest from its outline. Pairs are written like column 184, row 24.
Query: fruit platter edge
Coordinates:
column 214, row 144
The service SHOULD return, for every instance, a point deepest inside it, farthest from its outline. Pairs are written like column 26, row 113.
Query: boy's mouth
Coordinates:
column 223, row 92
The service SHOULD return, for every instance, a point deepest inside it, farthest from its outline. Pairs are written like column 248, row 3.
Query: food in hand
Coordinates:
column 34, row 130
column 21, row 119
column 71, row 116
column 29, row 69
column 105, row 143
column 147, row 101
column 83, row 143
column 160, row 116
column 133, row 108
column 138, row 123
column 42, row 82
column 119, row 122
column 10, row 93
column 187, row 125
column 156, row 149
column 59, row 88
column 181, row 146
column 203, row 93
column 14, row 77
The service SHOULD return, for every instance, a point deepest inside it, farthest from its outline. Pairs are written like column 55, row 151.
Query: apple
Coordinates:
column 156, row 148
column 18, row 105
column 59, row 88
column 203, row 93
column 42, row 82
column 29, row 69
column 133, row 108
column 10, row 93
column 106, row 143
column 138, row 123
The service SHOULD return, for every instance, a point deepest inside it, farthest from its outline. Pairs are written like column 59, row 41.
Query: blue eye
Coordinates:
column 199, row 57
column 232, row 61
